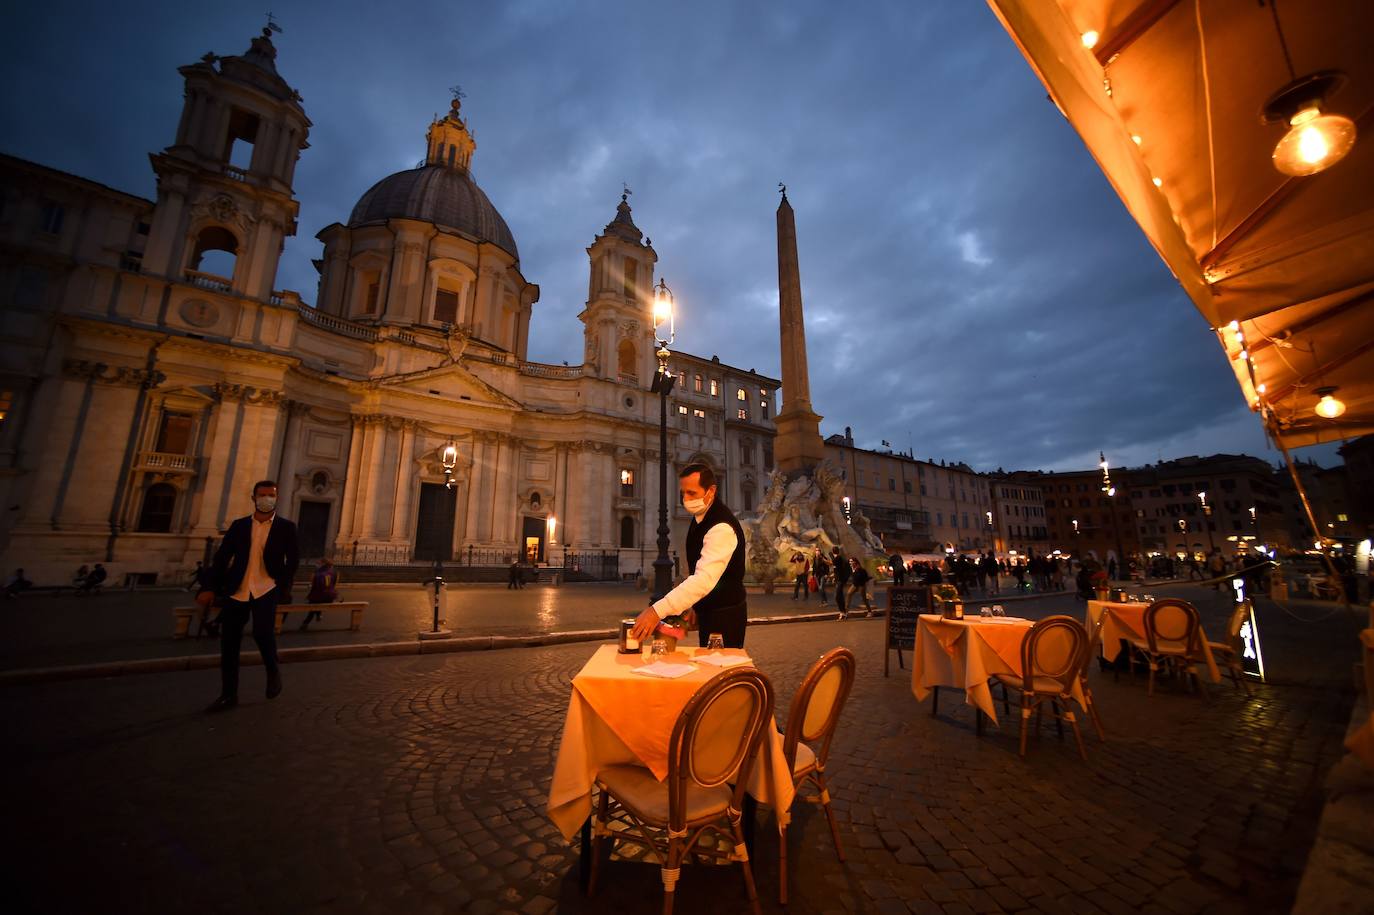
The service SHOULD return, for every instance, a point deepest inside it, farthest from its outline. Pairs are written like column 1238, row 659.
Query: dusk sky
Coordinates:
column 973, row 288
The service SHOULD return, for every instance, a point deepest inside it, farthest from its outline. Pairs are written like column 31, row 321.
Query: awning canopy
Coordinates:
column 1168, row 100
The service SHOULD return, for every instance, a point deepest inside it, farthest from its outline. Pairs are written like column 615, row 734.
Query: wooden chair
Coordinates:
column 811, row 722
column 1051, row 663
column 1094, row 645
column 1173, row 640
column 1232, row 650
column 714, row 741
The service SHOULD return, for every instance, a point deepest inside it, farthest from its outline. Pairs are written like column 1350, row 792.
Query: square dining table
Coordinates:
column 965, row 654
column 1126, row 621
column 616, row 716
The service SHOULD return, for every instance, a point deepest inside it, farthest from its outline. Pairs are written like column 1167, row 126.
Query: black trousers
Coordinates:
column 232, row 619
column 730, row 622
column 841, row 585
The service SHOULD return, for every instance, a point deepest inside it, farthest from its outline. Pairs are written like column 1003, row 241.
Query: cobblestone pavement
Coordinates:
column 418, row 784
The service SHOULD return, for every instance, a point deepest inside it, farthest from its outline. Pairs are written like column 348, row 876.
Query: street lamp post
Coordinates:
column 1254, row 522
column 1110, row 490
column 664, row 333
column 1207, row 513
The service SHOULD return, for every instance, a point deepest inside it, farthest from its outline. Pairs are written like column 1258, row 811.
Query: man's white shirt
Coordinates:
column 256, row 581
column 716, row 549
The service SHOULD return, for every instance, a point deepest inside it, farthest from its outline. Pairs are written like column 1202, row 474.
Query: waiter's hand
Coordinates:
column 645, row 624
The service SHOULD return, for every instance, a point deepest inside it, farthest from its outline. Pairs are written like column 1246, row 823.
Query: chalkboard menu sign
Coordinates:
column 904, row 604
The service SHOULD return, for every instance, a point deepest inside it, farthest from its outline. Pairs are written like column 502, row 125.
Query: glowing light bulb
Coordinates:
column 1158, row 182
column 1234, row 325
column 1089, row 38
column 1314, row 142
column 1262, row 388
column 1135, row 138
column 1329, row 406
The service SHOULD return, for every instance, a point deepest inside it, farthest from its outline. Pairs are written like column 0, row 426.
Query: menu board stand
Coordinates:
column 905, row 604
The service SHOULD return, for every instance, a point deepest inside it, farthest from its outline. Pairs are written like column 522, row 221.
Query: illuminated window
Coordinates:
column 1342, row 517
column 715, row 388
column 763, row 409
column 696, row 383
column 700, row 416
column 627, row 482
column 743, row 414
column 741, row 396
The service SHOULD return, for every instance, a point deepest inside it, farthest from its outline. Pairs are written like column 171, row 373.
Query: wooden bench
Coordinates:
column 182, row 616
column 354, row 607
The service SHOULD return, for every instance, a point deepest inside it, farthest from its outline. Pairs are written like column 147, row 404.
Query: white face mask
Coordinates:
column 265, row 504
column 694, row 506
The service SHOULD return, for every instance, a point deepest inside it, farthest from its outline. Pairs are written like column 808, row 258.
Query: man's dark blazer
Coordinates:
column 280, row 558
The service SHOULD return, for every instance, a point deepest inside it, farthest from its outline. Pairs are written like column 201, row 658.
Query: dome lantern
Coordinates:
column 450, row 142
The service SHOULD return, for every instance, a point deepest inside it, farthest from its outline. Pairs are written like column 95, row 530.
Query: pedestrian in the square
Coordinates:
column 858, row 586
column 251, row 573
column 323, row 590
column 798, row 563
column 713, row 593
column 898, row 569
column 94, row 581
column 17, row 584
column 820, row 570
column 842, row 571
column 513, row 576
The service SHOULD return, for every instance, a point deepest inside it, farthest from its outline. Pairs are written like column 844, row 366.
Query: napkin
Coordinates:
column 723, row 660
column 665, row 670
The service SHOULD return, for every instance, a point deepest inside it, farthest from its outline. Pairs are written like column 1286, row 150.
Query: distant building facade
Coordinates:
column 1018, row 509
column 152, row 370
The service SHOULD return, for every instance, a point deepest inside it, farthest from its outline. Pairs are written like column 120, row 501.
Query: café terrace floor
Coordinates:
column 418, row 784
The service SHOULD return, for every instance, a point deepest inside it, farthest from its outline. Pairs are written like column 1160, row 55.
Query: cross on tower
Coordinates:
column 272, row 23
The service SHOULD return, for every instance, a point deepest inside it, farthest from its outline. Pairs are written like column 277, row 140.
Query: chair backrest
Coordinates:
column 816, row 707
column 716, row 737
column 1172, row 620
column 1054, row 648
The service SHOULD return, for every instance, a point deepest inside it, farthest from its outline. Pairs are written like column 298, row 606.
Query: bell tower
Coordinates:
column 224, row 199
column 618, row 319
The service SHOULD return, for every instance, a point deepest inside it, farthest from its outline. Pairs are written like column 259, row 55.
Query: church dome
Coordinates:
column 439, row 194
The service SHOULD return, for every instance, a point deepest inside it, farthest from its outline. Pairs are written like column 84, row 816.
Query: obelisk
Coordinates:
column 797, row 448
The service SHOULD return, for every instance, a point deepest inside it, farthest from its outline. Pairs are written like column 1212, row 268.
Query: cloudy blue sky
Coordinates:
column 973, row 288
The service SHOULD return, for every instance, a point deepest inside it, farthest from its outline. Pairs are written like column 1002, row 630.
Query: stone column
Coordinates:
column 403, row 494
column 348, row 506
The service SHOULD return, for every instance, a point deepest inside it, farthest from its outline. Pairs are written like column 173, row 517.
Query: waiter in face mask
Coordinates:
column 251, row 573
column 714, row 587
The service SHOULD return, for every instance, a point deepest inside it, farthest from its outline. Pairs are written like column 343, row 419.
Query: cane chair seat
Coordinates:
column 805, row 761
column 639, row 792
column 1052, row 660
column 811, row 722
column 710, row 755
column 1173, row 639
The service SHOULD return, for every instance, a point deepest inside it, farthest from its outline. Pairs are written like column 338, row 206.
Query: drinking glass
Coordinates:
column 716, row 641
column 998, row 611
column 985, row 612
column 660, row 649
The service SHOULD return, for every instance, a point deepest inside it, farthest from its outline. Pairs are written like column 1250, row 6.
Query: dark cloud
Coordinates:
column 973, row 287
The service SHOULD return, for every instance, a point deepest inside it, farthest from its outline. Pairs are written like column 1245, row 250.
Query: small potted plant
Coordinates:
column 671, row 629
column 1101, row 584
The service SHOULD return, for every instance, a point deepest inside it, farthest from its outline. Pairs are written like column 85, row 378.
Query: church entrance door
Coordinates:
column 434, row 529
column 313, row 527
column 533, row 539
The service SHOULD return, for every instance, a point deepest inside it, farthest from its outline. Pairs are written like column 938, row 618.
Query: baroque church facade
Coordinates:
column 153, row 371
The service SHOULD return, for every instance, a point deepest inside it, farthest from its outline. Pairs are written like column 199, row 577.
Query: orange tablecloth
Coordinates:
column 1127, row 621
column 964, row 654
column 616, row 716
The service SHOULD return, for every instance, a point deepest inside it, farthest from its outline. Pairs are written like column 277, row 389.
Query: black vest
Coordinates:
column 729, row 591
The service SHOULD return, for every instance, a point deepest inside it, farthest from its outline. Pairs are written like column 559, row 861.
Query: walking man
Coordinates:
column 898, row 569
column 820, row 568
column 841, row 579
column 714, row 587
column 251, row 573
column 858, row 587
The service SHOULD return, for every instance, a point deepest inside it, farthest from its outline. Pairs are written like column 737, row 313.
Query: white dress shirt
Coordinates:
column 256, row 582
column 716, row 550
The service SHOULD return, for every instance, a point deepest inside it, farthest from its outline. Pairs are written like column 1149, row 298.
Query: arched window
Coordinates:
column 627, row 359
column 627, row 532
column 215, row 252
column 158, row 503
